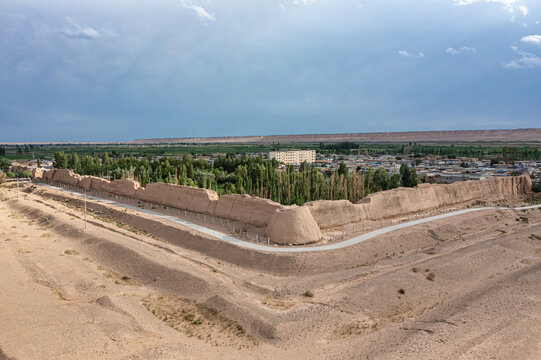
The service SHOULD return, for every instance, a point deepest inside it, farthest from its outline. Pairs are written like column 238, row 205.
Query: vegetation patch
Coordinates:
column 356, row 328
column 198, row 320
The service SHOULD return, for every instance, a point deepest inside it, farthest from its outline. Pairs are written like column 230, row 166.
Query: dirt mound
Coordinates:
column 293, row 225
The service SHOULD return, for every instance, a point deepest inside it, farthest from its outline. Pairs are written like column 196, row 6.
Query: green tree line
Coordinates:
column 505, row 153
column 255, row 176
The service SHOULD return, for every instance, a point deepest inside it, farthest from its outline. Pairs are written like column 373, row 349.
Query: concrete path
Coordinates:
column 286, row 249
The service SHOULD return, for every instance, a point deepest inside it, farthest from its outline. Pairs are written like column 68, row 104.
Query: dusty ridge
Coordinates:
column 505, row 136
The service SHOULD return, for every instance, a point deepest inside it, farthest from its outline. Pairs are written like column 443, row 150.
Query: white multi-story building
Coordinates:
column 290, row 157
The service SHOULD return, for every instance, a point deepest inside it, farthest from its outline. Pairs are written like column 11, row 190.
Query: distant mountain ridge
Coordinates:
column 532, row 135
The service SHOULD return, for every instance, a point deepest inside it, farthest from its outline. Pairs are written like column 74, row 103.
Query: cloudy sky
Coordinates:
column 73, row 70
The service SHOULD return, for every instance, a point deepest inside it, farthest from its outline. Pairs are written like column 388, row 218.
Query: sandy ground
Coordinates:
column 469, row 288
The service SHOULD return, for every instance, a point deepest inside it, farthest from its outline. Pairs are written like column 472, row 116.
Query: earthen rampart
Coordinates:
column 303, row 225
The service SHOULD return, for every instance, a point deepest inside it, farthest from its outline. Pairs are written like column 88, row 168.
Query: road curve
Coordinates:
column 275, row 249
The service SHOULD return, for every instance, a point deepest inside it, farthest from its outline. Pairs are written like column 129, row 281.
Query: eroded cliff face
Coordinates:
column 300, row 225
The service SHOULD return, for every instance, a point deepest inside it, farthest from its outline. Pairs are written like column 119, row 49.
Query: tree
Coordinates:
column 394, row 181
column 73, row 160
column 60, row 160
column 369, row 181
column 5, row 164
column 406, row 177
column 381, row 180
column 343, row 169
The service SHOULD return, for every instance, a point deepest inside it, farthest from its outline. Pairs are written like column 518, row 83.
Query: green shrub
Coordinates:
column 25, row 174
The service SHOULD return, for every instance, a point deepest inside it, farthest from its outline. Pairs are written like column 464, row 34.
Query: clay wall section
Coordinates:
column 243, row 208
column 424, row 197
column 299, row 225
column 178, row 196
column 247, row 209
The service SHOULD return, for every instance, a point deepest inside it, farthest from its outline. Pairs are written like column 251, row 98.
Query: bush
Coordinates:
column 25, row 174
column 536, row 186
column 10, row 174
column 5, row 164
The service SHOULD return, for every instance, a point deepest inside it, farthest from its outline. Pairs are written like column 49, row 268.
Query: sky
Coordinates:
column 119, row 70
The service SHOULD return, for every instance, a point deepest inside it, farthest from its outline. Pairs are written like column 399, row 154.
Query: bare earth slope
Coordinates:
column 469, row 289
column 458, row 136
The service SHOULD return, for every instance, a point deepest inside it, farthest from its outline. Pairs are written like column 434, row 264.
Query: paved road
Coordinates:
column 276, row 249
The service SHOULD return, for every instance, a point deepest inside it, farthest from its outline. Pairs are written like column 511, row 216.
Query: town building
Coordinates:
column 292, row 157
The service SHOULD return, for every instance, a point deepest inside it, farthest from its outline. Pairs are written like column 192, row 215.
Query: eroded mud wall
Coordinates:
column 299, row 225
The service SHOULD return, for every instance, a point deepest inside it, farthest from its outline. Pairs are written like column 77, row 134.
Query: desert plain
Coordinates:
column 463, row 287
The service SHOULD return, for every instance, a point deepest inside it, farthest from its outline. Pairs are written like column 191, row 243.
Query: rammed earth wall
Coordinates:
column 298, row 225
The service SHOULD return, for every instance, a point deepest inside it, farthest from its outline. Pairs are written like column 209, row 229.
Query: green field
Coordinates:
column 482, row 151
column 47, row 151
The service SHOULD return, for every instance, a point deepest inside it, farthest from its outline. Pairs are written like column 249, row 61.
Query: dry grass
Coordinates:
column 198, row 320
column 117, row 278
column 356, row 328
column 278, row 304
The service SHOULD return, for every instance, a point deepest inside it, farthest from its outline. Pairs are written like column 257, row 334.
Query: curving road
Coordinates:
column 258, row 247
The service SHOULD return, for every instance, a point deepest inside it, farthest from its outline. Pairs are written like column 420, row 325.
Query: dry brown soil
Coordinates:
column 467, row 287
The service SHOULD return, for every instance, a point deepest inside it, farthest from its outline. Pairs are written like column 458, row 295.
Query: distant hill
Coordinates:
column 522, row 136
